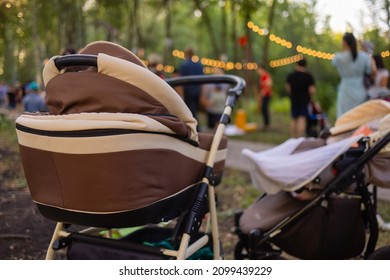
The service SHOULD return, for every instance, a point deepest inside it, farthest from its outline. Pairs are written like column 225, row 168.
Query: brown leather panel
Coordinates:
column 205, row 140
column 111, row 49
column 107, row 182
column 41, row 174
column 68, row 94
column 92, row 92
column 173, row 123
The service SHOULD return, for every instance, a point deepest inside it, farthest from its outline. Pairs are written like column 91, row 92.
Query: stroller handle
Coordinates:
column 238, row 82
column 75, row 60
column 91, row 60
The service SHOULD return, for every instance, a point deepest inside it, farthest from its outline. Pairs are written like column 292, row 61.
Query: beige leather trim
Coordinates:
column 84, row 121
column 362, row 114
column 50, row 70
column 116, row 143
column 149, row 82
column 103, row 46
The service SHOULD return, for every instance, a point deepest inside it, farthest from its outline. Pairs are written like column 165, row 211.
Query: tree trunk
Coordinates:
column 168, row 46
column 386, row 6
column 234, row 30
column 271, row 14
column 9, row 57
column 36, row 42
column 211, row 32
column 223, row 29
column 138, row 33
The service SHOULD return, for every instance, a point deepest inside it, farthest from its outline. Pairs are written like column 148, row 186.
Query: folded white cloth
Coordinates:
column 279, row 169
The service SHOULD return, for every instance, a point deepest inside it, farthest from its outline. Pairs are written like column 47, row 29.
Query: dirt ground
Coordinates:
column 24, row 232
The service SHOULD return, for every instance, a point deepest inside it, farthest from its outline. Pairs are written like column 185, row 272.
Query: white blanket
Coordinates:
column 278, row 169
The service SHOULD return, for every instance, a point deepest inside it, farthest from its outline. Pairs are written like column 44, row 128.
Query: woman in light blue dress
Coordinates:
column 351, row 65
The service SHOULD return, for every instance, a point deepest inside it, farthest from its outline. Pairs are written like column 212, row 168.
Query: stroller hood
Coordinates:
column 362, row 114
column 117, row 86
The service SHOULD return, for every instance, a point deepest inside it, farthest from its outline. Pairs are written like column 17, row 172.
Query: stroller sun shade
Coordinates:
column 298, row 169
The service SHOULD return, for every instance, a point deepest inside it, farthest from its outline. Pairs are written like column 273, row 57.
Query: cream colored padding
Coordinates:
column 85, row 121
column 139, row 77
column 114, row 46
column 362, row 114
column 152, row 84
column 50, row 70
column 104, row 144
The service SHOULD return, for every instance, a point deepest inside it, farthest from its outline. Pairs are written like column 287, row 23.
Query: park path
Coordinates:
column 236, row 161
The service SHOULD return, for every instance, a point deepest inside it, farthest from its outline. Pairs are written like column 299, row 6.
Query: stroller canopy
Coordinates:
column 120, row 84
column 301, row 168
column 360, row 115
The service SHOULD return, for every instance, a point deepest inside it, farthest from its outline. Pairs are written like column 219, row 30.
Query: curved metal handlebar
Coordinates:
column 91, row 60
column 75, row 60
column 238, row 82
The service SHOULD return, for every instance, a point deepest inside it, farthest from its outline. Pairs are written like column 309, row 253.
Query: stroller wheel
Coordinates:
column 381, row 254
column 241, row 252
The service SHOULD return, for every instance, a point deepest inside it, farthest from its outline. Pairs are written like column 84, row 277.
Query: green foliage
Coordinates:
column 281, row 105
column 44, row 28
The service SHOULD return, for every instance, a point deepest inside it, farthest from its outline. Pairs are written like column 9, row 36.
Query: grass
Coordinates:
column 7, row 133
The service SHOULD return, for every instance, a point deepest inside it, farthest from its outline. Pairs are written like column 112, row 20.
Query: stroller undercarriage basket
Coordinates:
column 334, row 229
column 148, row 243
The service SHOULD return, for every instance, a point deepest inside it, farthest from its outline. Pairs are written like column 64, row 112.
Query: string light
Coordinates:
column 287, row 44
column 272, row 37
column 209, row 63
column 385, row 54
column 314, row 53
column 161, row 67
column 285, row 61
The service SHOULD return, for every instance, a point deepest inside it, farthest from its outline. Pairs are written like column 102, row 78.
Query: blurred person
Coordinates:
column 153, row 61
column 33, row 102
column 3, row 94
column 191, row 93
column 301, row 87
column 351, row 65
column 264, row 95
column 13, row 96
column 213, row 99
column 379, row 86
column 178, row 89
column 69, row 51
column 368, row 47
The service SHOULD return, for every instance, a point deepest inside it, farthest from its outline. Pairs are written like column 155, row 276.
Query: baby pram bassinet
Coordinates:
column 312, row 210
column 120, row 149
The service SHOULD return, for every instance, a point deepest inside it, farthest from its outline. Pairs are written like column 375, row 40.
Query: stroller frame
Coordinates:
column 205, row 201
column 257, row 244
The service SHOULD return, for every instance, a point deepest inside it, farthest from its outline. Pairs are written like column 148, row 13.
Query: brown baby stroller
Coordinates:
column 321, row 205
column 119, row 149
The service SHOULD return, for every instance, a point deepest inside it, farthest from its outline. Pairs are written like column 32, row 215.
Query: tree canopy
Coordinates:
column 236, row 31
